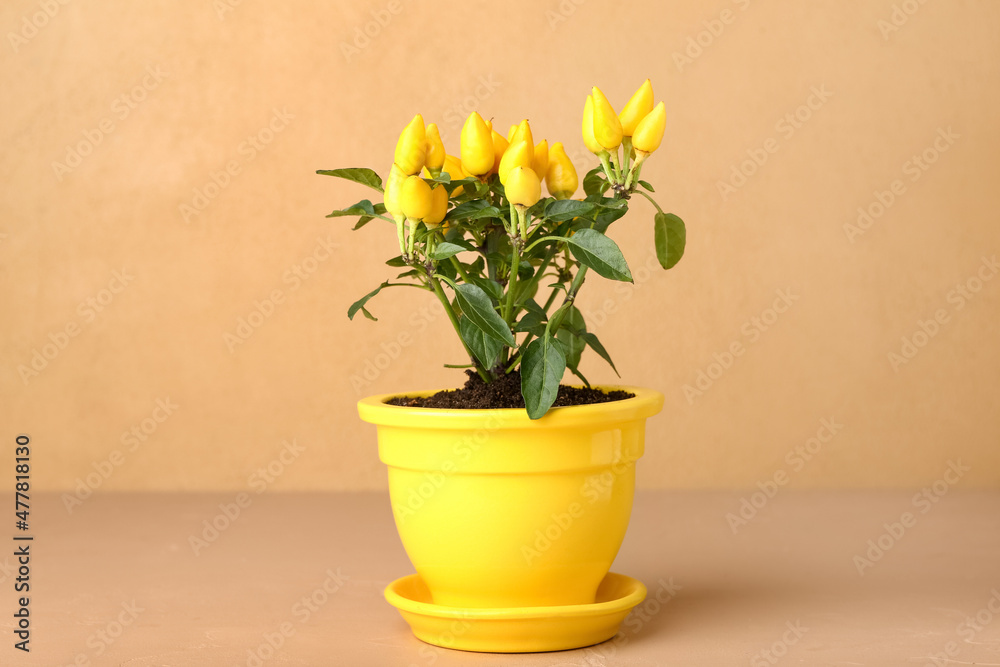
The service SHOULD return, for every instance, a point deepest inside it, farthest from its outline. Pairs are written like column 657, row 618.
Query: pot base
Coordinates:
column 516, row 629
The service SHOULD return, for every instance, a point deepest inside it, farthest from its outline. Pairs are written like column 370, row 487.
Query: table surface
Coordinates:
column 117, row 582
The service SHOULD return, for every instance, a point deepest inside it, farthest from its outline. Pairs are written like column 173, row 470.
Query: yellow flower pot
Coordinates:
column 496, row 510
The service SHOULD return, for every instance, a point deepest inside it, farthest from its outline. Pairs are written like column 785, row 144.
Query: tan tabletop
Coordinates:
column 117, row 582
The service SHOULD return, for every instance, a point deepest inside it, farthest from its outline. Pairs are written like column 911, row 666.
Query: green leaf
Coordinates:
column 485, row 347
column 396, row 262
column 532, row 306
column 491, row 287
column 478, row 307
column 597, row 251
column 542, row 366
column 670, row 236
column 646, row 185
column 566, row 209
column 360, row 304
column 361, row 175
column 569, row 334
column 473, row 209
column 598, row 348
column 444, row 250
column 363, row 207
column 594, row 182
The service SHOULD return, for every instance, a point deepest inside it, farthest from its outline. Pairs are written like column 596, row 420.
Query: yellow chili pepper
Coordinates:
column 518, row 154
column 453, row 166
column 499, row 147
column 415, row 198
column 523, row 131
column 649, row 132
column 393, row 185
column 607, row 127
column 638, row 107
column 588, row 128
column 477, row 146
column 561, row 179
column 439, row 207
column 435, row 151
column 540, row 163
column 411, row 149
column 523, row 187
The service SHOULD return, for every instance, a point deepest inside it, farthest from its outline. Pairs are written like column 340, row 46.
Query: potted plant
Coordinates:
column 513, row 494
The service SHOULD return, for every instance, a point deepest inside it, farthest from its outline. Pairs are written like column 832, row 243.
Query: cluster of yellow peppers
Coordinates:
column 638, row 130
column 520, row 164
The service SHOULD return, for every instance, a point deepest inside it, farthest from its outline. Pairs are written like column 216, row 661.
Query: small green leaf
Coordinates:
column 542, row 366
column 597, row 251
column 670, row 236
column 360, row 304
column 473, row 209
column 361, row 175
column 491, row 287
column 396, row 262
column 363, row 207
column 598, row 348
column 566, row 209
column 569, row 334
column 478, row 307
column 485, row 347
column 444, row 250
column 646, row 185
column 594, row 182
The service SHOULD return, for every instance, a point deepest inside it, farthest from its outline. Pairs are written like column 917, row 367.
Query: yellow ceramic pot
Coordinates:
column 497, row 510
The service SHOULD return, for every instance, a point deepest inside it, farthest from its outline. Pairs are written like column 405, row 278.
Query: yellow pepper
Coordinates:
column 415, row 198
column 499, row 147
column 540, row 163
column 518, row 154
column 477, row 146
column 588, row 128
column 439, row 207
column 638, row 107
column 649, row 132
column 561, row 179
column 523, row 131
column 411, row 149
column 435, row 151
column 523, row 187
column 607, row 127
column 453, row 166
column 393, row 185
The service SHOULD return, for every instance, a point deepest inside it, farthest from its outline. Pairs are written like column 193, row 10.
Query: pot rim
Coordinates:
column 645, row 403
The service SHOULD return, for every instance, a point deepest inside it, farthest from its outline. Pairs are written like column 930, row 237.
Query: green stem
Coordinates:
column 512, row 282
column 461, row 271
column 651, row 200
column 574, row 287
column 454, row 322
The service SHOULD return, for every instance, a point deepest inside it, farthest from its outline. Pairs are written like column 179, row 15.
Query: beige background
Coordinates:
column 225, row 71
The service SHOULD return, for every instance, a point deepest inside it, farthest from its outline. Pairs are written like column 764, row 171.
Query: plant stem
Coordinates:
column 454, row 322
column 512, row 282
column 651, row 200
column 461, row 271
column 560, row 314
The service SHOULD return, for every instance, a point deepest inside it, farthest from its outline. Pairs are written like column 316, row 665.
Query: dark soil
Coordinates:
column 504, row 392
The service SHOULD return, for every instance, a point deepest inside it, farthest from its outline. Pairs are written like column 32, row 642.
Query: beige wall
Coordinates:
column 159, row 333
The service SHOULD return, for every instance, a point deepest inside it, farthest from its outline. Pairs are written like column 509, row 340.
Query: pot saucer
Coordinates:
column 516, row 629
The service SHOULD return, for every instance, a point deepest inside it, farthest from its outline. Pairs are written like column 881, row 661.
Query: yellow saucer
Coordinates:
column 516, row 629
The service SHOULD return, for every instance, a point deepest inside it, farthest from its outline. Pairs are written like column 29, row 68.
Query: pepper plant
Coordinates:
column 506, row 263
